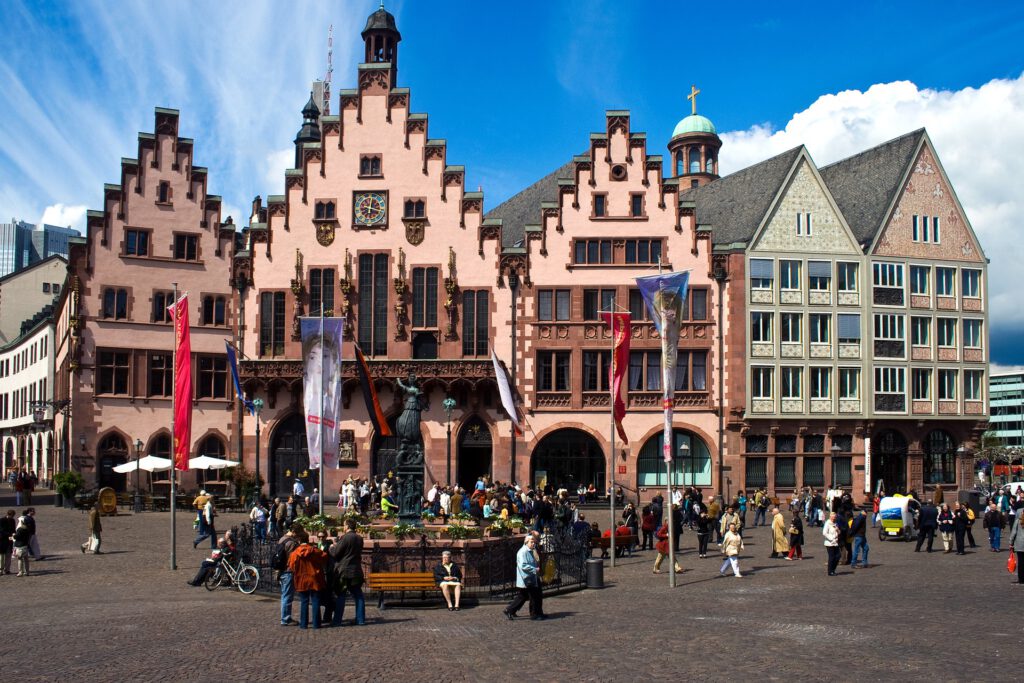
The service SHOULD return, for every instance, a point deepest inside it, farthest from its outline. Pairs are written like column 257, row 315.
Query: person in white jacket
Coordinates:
column 732, row 544
column 830, row 532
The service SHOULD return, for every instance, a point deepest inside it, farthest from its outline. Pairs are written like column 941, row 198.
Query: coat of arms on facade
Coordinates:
column 414, row 232
column 325, row 233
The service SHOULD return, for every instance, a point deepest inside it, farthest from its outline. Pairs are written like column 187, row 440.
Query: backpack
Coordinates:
column 279, row 562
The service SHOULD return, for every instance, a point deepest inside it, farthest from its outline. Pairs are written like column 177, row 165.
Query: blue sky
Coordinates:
column 516, row 87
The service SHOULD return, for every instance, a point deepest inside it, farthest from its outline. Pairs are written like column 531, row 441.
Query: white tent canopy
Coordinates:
column 150, row 463
column 206, row 462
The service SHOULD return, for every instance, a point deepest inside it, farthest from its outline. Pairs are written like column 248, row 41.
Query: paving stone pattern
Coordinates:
column 124, row 616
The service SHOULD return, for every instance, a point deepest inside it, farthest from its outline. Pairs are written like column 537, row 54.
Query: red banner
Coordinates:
column 621, row 332
column 182, row 383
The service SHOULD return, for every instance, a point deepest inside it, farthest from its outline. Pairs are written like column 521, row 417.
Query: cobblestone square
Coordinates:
column 125, row 616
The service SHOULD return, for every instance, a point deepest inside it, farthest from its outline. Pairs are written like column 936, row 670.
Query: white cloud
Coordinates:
column 274, row 166
column 65, row 216
column 997, row 369
column 978, row 134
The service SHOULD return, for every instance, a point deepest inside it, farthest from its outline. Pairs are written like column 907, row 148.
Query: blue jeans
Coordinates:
column 995, row 537
column 261, row 531
column 759, row 516
column 287, row 595
column 206, row 531
column 306, row 598
column 339, row 610
column 859, row 543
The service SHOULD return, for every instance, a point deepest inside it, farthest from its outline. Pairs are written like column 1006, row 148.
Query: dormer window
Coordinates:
column 324, row 210
column 370, row 166
column 164, row 194
column 415, row 208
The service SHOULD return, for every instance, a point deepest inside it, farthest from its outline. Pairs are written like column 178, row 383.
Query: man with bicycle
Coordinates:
column 223, row 551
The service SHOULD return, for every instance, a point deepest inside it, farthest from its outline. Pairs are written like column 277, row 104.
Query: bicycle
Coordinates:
column 245, row 577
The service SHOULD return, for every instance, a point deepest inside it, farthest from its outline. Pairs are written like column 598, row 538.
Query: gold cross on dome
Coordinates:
column 693, row 98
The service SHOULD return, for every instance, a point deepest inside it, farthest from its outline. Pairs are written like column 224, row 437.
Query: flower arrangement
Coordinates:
column 457, row 532
column 402, row 530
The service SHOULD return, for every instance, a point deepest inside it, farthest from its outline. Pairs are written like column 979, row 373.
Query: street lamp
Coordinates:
column 835, row 451
column 684, row 451
column 961, row 459
column 257, row 408
column 449, row 405
column 138, row 456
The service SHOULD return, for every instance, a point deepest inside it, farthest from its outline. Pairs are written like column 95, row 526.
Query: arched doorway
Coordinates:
column 289, row 457
column 112, row 452
column 567, row 458
column 889, row 461
column 693, row 469
column 214, row 447
column 474, row 452
column 385, row 450
column 939, row 458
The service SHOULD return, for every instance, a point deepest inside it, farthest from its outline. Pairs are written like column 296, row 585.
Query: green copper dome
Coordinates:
column 694, row 123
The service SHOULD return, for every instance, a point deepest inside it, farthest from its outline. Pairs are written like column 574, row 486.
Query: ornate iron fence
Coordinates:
column 489, row 567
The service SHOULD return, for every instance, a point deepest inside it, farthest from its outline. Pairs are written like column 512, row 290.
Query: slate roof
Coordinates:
column 735, row 205
column 523, row 209
column 865, row 184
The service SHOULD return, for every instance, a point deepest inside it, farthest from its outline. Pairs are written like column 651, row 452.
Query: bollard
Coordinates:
column 595, row 573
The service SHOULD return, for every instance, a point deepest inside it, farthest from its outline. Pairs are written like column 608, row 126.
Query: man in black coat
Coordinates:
column 927, row 523
column 347, row 552
column 657, row 509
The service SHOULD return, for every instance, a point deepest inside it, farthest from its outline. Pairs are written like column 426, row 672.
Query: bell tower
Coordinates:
column 694, row 147
column 381, row 37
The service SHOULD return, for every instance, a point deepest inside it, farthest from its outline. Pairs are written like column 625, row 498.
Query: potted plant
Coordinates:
column 402, row 530
column 501, row 527
column 68, row 485
column 462, row 519
column 428, row 516
column 458, row 532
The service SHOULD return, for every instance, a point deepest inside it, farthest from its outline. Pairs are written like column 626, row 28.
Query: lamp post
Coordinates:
column 449, row 405
column 961, row 459
column 720, row 277
column 138, row 456
column 257, row 408
column 684, row 451
column 513, row 286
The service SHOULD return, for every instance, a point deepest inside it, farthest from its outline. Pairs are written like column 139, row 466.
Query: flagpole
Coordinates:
column 174, row 411
column 611, row 452
column 667, row 449
column 320, row 498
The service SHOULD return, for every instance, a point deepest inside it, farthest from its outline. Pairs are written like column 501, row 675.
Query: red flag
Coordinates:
column 621, row 332
column 183, row 383
column 373, row 409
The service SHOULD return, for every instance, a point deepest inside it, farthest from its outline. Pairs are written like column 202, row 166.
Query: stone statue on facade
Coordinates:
column 409, row 460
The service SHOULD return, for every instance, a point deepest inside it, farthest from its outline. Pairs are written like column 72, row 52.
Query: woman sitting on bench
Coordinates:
column 448, row 576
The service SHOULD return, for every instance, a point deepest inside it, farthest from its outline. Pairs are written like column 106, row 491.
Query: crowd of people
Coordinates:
column 24, row 483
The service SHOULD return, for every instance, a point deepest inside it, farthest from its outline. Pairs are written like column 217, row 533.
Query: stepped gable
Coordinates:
column 735, row 206
column 866, row 184
column 523, row 209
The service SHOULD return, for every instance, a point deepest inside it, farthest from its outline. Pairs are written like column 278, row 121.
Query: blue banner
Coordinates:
column 665, row 295
column 233, row 362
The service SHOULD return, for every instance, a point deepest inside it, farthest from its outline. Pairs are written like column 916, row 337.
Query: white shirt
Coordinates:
column 432, row 494
column 298, row 489
column 677, row 497
column 446, row 501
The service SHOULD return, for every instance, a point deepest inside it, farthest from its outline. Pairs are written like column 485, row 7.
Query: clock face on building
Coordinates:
column 370, row 208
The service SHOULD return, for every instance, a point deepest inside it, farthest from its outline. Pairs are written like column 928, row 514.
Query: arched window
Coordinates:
column 691, row 469
column 709, row 164
column 680, row 164
column 160, row 446
column 213, row 447
column 939, row 458
column 694, row 159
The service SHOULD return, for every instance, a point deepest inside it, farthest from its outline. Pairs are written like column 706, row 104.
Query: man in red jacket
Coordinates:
column 306, row 564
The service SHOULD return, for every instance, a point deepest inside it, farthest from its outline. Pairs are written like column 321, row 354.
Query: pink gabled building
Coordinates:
column 115, row 339
column 375, row 225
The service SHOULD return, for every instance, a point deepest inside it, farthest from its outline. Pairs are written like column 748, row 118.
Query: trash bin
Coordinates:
column 595, row 573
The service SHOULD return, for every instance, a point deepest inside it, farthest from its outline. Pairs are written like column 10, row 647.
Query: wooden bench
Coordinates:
column 622, row 544
column 400, row 582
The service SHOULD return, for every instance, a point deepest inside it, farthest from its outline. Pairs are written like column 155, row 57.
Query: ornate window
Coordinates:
column 475, row 318
column 596, row 365
column 370, row 166
column 272, row 315
column 325, row 210
column 424, row 297
column 136, row 242
column 691, row 463
column 112, row 372
column 415, row 208
column 553, row 304
column 373, row 304
column 553, row 371
column 115, row 303
column 321, row 291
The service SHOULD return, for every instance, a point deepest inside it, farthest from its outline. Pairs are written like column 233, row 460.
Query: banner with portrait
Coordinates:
column 321, row 387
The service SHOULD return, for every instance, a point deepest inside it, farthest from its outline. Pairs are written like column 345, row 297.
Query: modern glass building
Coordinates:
column 1006, row 396
column 22, row 244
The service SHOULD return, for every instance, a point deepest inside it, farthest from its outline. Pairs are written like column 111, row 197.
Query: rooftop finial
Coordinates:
column 692, row 96
column 382, row 4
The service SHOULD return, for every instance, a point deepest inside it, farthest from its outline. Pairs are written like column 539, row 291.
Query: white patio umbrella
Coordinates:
column 149, row 463
column 206, row 462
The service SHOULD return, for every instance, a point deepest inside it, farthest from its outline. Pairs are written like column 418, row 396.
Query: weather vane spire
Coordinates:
column 692, row 96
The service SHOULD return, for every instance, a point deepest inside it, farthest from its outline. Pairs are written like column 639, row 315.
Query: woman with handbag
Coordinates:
column 1017, row 548
column 796, row 537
